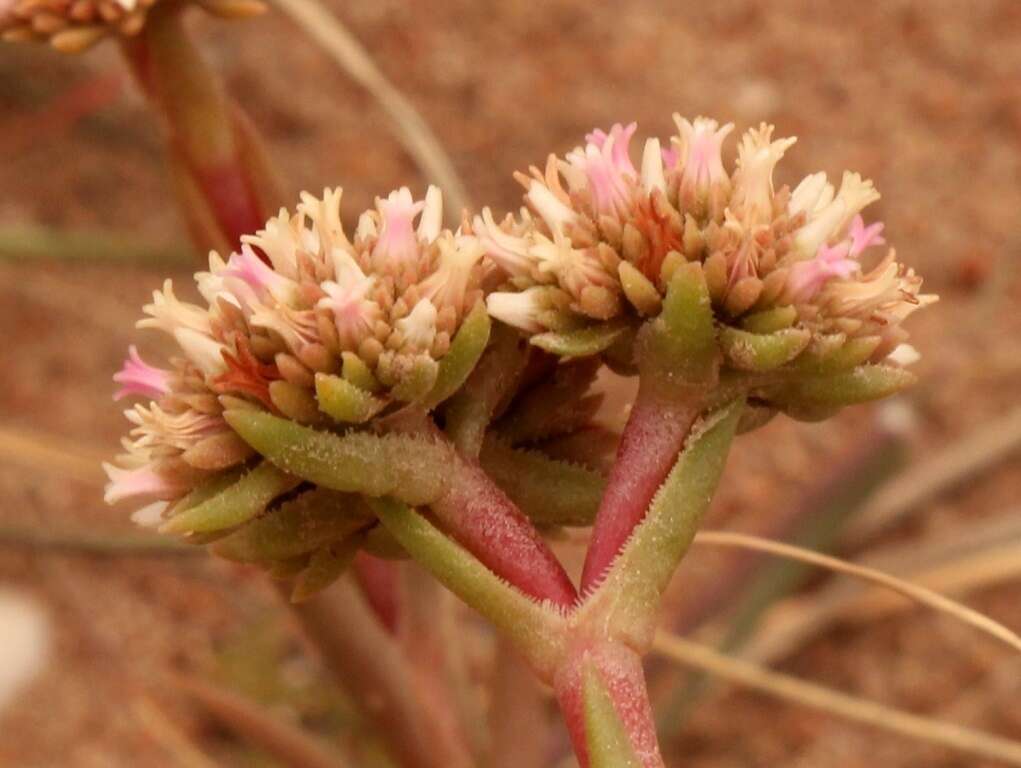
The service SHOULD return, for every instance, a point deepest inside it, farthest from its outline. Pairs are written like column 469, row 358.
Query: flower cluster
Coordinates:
column 299, row 300
column 72, row 26
column 599, row 238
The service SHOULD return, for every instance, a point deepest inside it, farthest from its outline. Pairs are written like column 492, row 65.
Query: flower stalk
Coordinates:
column 222, row 176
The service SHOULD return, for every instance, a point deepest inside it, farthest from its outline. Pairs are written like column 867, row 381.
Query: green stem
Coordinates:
column 536, row 630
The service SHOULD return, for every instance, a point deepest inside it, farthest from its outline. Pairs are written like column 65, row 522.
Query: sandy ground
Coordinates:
column 924, row 97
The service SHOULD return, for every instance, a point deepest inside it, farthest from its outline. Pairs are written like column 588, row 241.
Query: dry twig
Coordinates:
column 287, row 743
column 843, row 705
column 412, row 130
column 912, row 591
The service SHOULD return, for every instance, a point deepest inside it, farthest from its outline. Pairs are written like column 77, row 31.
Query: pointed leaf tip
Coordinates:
column 465, row 350
column 583, row 342
column 681, row 341
column 236, row 504
column 406, row 466
column 761, row 352
column 345, row 402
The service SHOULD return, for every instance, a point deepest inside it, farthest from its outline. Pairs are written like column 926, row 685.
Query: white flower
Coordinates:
column 448, row 285
column 828, row 215
column 519, row 309
column 202, row 350
column 168, row 313
column 757, row 156
column 418, row 329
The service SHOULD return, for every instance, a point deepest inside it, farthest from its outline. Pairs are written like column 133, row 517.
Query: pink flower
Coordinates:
column 699, row 146
column 863, row 237
column 616, row 142
column 354, row 313
column 808, row 277
column 139, row 378
column 397, row 246
column 140, row 481
column 607, row 168
column 259, row 276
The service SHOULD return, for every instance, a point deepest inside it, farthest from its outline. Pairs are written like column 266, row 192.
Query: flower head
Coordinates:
column 72, row 26
column 297, row 300
column 606, row 237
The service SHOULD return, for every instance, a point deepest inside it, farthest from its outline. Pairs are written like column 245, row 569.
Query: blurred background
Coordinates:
column 923, row 97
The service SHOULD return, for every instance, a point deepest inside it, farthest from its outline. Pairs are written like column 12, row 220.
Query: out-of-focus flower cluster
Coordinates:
column 599, row 239
column 299, row 301
column 72, row 26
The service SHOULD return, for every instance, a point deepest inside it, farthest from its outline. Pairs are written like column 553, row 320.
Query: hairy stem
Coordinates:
column 615, row 671
column 481, row 517
column 654, row 435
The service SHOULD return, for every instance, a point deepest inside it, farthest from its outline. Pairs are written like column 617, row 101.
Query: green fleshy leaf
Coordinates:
column 409, row 467
column 381, row 543
column 469, row 411
column 358, row 373
column 753, row 417
column 639, row 290
column 414, row 384
column 810, row 412
column 837, row 358
column 820, row 349
column 550, row 492
column 345, row 402
column 207, row 490
column 554, row 406
column 626, row 602
column 465, row 350
column 761, row 352
column 861, row 385
column 679, row 346
column 287, row 569
column 770, row 320
column 236, row 504
column 537, row 631
column 582, row 342
column 605, row 735
column 315, row 518
column 327, row 564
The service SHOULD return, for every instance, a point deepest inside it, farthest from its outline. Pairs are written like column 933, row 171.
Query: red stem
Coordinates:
column 380, row 583
column 228, row 190
column 620, row 669
column 481, row 517
column 204, row 133
column 654, row 435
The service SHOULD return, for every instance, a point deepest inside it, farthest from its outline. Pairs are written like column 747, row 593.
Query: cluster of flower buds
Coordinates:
column 679, row 262
column 72, row 26
column 304, row 323
column 600, row 239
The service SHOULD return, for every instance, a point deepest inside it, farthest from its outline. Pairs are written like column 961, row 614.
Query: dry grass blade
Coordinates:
column 34, row 451
column 285, row 742
column 36, row 242
column 795, row 622
column 850, row 707
column 158, row 726
column 914, row 592
column 981, row 569
column 413, row 132
column 942, row 471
